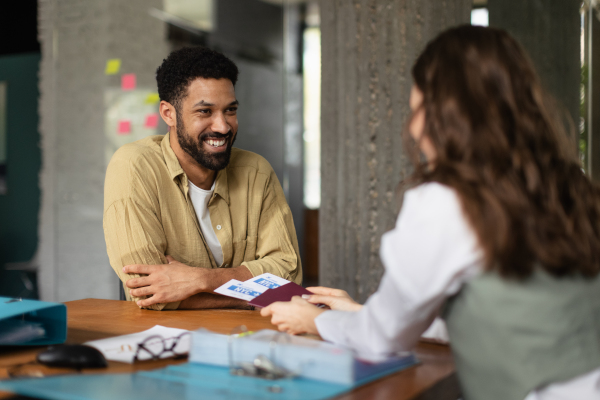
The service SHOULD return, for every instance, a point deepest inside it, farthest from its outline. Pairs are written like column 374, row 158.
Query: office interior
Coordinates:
column 63, row 105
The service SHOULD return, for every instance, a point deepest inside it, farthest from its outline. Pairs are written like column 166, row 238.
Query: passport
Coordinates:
column 281, row 293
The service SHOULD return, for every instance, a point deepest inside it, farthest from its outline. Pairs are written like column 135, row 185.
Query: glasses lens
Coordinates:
column 151, row 348
column 181, row 344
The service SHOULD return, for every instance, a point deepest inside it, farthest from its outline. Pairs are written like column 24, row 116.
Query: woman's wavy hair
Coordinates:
column 503, row 148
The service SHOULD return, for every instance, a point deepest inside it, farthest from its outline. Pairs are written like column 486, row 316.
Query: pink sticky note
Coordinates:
column 128, row 81
column 151, row 121
column 124, row 127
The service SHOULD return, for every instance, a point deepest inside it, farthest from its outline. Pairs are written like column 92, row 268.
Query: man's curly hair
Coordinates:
column 182, row 66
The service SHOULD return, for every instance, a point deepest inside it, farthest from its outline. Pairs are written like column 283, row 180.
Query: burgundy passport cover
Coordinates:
column 282, row 293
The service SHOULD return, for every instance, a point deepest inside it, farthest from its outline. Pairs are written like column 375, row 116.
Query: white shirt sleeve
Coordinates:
column 427, row 257
column 437, row 332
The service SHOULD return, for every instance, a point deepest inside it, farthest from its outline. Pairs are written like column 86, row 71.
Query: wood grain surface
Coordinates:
column 92, row 319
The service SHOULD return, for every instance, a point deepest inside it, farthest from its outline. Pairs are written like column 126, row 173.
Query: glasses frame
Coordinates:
column 166, row 349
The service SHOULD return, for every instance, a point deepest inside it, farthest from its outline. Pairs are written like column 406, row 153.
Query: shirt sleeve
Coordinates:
column 277, row 245
column 132, row 231
column 430, row 253
column 437, row 332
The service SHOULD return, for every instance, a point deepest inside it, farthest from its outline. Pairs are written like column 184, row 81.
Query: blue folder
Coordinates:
column 27, row 315
column 184, row 381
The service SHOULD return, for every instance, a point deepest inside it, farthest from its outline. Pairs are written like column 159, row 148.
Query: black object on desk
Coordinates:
column 75, row 356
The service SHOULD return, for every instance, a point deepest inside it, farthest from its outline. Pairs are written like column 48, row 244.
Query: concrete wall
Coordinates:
column 592, row 111
column 77, row 38
column 368, row 48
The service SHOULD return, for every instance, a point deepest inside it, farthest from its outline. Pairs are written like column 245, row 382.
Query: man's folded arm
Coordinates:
column 134, row 235
column 277, row 245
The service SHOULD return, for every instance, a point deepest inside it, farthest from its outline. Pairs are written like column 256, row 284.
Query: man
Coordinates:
column 185, row 213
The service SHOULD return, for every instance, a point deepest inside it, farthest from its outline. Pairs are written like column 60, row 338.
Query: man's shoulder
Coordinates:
column 147, row 148
column 134, row 164
column 246, row 159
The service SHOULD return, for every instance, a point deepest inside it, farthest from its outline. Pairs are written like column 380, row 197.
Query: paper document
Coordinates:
column 252, row 288
column 241, row 290
column 269, row 281
column 123, row 348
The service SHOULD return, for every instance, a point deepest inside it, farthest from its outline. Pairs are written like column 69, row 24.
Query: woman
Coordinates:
column 501, row 237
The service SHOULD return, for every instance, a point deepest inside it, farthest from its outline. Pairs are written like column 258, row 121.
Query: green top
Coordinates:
column 511, row 337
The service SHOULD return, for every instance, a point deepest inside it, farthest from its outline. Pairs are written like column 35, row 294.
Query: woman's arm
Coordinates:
column 428, row 256
column 387, row 324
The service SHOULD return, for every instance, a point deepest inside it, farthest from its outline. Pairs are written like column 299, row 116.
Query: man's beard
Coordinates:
column 208, row 160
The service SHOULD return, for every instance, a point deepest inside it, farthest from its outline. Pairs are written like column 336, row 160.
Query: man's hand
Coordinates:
column 294, row 317
column 336, row 299
column 165, row 283
column 176, row 281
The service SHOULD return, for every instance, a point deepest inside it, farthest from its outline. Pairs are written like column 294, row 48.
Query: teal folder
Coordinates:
column 186, row 382
column 32, row 322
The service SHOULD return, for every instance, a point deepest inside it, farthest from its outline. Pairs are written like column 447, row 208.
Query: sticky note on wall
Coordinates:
column 152, row 98
column 128, row 81
column 124, row 127
column 113, row 66
column 151, row 121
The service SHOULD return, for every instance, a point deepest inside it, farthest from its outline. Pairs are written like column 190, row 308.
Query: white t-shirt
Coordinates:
column 428, row 256
column 200, row 199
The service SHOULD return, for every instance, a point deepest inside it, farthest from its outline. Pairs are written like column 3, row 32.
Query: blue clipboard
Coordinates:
column 51, row 317
column 185, row 381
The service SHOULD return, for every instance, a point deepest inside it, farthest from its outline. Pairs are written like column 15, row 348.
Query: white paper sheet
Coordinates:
column 123, row 348
column 241, row 290
column 268, row 280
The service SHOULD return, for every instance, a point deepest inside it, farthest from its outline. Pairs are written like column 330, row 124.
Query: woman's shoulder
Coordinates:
column 432, row 246
column 432, row 199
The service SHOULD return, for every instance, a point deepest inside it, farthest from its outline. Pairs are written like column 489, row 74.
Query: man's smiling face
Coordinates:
column 207, row 122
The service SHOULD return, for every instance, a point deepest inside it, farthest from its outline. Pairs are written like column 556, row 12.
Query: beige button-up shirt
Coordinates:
column 148, row 214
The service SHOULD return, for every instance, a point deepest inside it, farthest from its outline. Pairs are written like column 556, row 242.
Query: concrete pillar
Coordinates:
column 550, row 31
column 77, row 38
column 592, row 106
column 368, row 48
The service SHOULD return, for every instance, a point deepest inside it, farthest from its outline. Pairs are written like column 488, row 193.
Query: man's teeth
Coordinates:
column 216, row 143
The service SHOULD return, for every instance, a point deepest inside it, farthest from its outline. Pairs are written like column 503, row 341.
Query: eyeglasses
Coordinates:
column 151, row 348
column 156, row 347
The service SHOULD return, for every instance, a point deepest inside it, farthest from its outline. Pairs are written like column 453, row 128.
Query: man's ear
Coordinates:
column 168, row 113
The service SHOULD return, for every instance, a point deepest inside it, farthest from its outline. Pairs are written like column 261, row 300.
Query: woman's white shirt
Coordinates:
column 428, row 256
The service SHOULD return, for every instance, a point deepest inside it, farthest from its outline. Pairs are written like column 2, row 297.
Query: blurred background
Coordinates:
column 77, row 82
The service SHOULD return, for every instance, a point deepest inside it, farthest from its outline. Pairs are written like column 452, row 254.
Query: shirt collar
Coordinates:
column 170, row 158
column 221, row 187
column 175, row 170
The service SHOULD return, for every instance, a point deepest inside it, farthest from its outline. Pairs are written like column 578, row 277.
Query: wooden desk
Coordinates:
column 92, row 319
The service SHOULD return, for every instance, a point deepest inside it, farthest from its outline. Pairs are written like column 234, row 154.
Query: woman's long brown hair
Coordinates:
column 500, row 145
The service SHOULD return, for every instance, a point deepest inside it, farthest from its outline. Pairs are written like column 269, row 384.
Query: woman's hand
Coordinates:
column 294, row 317
column 336, row 299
